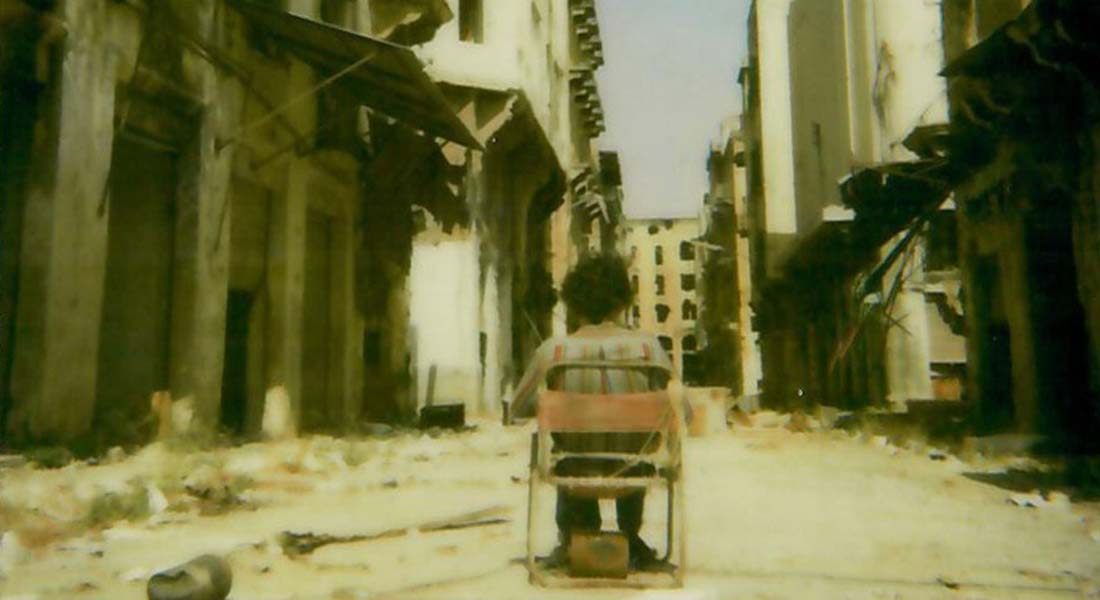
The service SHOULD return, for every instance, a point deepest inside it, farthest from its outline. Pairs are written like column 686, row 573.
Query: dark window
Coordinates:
column 652, row 229
column 687, row 281
column 471, row 21
column 666, row 342
column 687, row 250
column 658, row 255
column 637, row 313
column 689, row 310
column 662, row 313
column 689, row 343
column 660, row 284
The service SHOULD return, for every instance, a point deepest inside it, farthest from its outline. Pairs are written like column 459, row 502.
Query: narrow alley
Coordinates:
column 347, row 299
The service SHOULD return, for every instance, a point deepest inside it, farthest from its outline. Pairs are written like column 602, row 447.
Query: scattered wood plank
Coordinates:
column 297, row 544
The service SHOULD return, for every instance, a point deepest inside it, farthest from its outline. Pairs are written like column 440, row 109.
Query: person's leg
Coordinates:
column 575, row 514
column 628, row 513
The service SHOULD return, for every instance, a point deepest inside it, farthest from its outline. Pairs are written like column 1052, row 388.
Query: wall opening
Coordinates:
column 19, row 99
column 135, row 326
column 689, row 311
column 236, row 362
column 471, row 21
column 687, row 250
column 662, row 313
column 995, row 407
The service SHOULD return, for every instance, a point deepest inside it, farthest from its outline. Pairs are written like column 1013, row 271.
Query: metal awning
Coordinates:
column 391, row 81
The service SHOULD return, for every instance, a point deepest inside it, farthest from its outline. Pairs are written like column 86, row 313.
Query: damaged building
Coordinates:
column 521, row 75
column 729, row 350
column 900, row 206
column 663, row 268
column 232, row 202
column 1023, row 150
column 854, row 297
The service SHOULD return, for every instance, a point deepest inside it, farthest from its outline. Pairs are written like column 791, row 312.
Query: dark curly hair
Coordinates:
column 597, row 287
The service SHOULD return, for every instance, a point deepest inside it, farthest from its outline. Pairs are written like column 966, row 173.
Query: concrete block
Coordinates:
column 278, row 418
column 709, row 407
column 599, row 554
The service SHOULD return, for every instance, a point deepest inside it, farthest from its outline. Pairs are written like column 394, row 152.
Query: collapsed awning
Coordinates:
column 514, row 128
column 889, row 196
column 887, row 199
column 409, row 168
column 391, row 81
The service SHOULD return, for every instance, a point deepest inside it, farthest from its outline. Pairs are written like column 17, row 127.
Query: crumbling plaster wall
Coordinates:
column 444, row 316
column 526, row 48
column 65, row 243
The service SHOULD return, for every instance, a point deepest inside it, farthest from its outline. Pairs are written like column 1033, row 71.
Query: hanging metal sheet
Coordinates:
column 391, row 80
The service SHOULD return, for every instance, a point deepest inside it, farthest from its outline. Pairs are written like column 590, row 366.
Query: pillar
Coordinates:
column 64, row 242
column 201, row 279
column 286, row 274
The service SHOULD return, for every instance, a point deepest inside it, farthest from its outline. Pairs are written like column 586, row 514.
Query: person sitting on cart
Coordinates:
column 596, row 293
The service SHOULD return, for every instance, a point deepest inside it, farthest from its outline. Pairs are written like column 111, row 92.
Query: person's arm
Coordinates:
column 675, row 386
column 524, row 399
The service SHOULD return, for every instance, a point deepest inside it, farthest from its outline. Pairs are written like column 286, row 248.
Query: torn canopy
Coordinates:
column 391, row 81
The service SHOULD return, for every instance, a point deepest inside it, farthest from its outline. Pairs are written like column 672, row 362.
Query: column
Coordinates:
column 201, row 279
column 64, row 242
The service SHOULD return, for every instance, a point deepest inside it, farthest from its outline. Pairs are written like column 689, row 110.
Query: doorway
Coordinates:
column 234, row 405
column 134, row 338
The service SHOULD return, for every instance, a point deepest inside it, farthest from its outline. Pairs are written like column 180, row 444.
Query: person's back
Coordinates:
column 600, row 345
column 596, row 293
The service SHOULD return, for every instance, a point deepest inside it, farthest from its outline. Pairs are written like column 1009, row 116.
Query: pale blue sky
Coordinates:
column 669, row 78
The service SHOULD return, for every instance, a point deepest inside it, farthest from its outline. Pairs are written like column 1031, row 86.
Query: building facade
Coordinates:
column 1023, row 149
column 853, row 308
column 521, row 75
column 730, row 354
column 663, row 261
column 235, row 202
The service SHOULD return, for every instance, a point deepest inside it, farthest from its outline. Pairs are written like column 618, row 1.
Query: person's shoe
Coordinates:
column 642, row 557
column 557, row 559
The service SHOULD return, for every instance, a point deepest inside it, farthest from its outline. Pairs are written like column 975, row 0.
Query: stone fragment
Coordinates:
column 206, row 577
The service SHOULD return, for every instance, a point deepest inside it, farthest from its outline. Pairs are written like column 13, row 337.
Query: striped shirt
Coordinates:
column 603, row 342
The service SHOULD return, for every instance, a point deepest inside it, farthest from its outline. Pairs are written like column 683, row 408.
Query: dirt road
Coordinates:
column 772, row 514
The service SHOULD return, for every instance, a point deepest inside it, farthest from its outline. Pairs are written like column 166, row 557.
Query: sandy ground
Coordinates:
column 772, row 514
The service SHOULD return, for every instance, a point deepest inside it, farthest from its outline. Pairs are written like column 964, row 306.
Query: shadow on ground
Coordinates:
column 1080, row 487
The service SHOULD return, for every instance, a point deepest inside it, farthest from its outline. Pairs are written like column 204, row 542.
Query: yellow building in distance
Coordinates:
column 664, row 274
